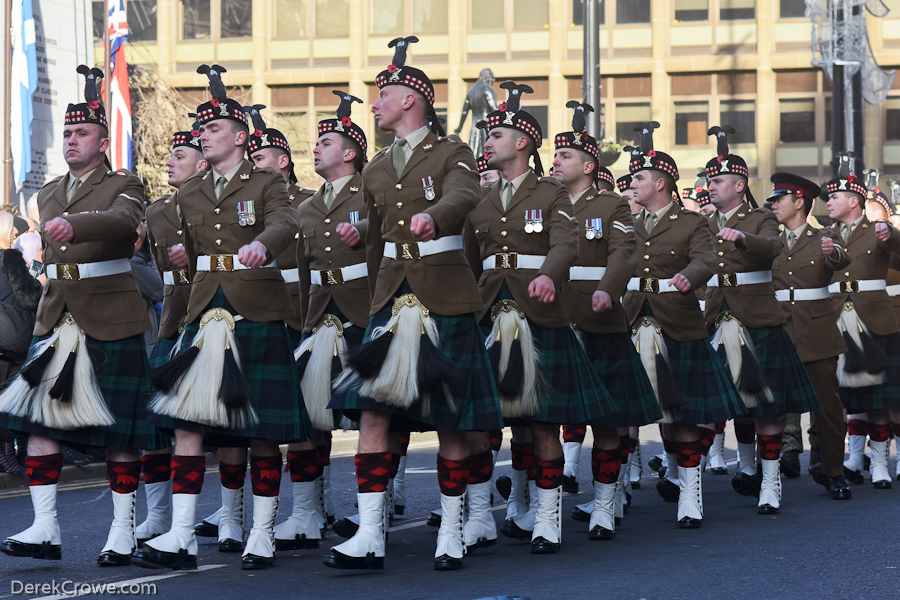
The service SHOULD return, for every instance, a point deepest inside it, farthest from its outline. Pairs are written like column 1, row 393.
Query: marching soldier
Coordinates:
column 869, row 372
column 233, row 378
column 801, row 275
column 424, row 363
column 487, row 174
column 742, row 311
column 623, row 184
column 591, row 296
column 164, row 229
column 520, row 242
column 668, row 328
column 85, row 382
column 331, row 259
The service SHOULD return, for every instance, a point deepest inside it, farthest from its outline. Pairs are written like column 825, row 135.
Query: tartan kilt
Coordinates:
column 461, row 342
column 792, row 390
column 121, row 368
column 878, row 397
column 619, row 367
column 267, row 361
column 161, row 350
column 706, row 386
column 573, row 393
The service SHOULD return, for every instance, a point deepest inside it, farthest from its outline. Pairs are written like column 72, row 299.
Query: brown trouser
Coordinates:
column 829, row 418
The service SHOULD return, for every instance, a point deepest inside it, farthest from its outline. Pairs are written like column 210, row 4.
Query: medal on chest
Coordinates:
column 534, row 221
column 246, row 213
column 428, row 185
column 593, row 229
column 354, row 217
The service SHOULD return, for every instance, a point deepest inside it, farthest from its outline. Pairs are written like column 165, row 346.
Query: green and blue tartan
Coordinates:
column 267, row 360
column 121, row 368
column 792, row 390
column 162, row 350
column 619, row 367
column 461, row 342
column 706, row 386
column 573, row 393
column 878, row 397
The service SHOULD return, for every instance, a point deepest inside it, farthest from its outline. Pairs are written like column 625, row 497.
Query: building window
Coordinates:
column 691, row 123
column 430, row 16
column 629, row 116
column 741, row 115
column 691, row 10
column 487, row 14
column 892, row 119
column 791, row 9
column 197, row 19
column 798, row 120
column 141, row 20
column 733, row 10
column 578, row 12
column 387, row 17
column 394, row 17
column 531, row 14
column 331, row 18
column 97, row 12
column 291, row 18
column 237, row 18
column 632, row 11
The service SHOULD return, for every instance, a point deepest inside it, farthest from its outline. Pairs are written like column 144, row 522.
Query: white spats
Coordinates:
column 602, row 506
column 369, row 537
column 716, row 456
column 450, row 539
column 45, row 527
column 770, row 492
column 121, row 538
column 856, row 446
column 181, row 535
column 159, row 510
column 878, row 467
column 518, row 496
column 690, row 500
column 261, row 541
column 303, row 523
column 525, row 520
column 747, row 458
column 548, row 518
column 572, row 456
column 231, row 523
column 480, row 528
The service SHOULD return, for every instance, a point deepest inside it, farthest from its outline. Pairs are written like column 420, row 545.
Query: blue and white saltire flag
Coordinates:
column 24, row 83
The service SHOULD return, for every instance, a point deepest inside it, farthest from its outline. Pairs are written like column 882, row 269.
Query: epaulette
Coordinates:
column 119, row 172
column 380, row 152
column 449, row 138
column 52, row 181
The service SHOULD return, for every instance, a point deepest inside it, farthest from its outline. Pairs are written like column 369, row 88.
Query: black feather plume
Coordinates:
column 166, row 376
column 33, row 372
column 515, row 94
column 646, row 131
column 846, row 159
column 92, row 79
column 216, row 87
column 434, row 369
column 721, row 134
column 346, row 106
column 400, row 46
column 579, row 117
column 234, row 391
column 63, row 386
column 259, row 124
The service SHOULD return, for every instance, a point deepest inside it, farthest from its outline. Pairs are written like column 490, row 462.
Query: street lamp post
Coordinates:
column 591, row 75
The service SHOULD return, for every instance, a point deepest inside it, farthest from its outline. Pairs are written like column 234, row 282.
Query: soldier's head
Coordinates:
column 792, row 197
column 726, row 191
column 400, row 107
column 336, row 156
column 508, row 149
column 223, row 139
column 845, row 206
column 652, row 189
column 575, row 169
column 274, row 158
column 183, row 163
column 84, row 146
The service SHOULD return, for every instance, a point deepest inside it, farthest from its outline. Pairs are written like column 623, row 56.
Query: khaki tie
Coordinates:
column 398, row 156
column 650, row 222
column 507, row 193
column 846, row 230
column 720, row 219
column 221, row 182
column 791, row 239
column 73, row 189
column 329, row 195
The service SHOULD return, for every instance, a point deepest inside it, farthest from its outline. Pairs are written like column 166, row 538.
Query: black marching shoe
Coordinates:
column 884, row 484
column 252, row 562
column 150, row 558
column 690, row 523
column 747, row 485
column 790, row 463
column 569, row 484
column 399, row 509
column 446, row 562
column 767, row 509
column 510, row 529
column 345, row 528
column 113, row 559
column 540, row 545
column 599, row 533
column 43, row 551
column 838, row 488
column 369, row 562
column 818, row 476
column 504, row 486
column 668, row 490
column 853, row 476
column 204, row 529
column 580, row 515
column 298, row 543
column 434, row 519
column 655, row 463
column 230, row 545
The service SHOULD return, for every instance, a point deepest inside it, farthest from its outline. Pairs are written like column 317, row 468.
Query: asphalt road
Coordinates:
column 815, row 548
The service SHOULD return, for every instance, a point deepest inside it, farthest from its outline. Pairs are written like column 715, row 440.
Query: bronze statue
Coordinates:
column 480, row 100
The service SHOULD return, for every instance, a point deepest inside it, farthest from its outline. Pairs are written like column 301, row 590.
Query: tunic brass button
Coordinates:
column 721, row 265
column 790, row 272
column 218, row 242
column 673, row 253
column 62, row 248
column 647, row 243
column 505, row 248
column 721, row 254
column 189, row 225
column 647, row 270
column 503, row 219
column 789, row 257
column 217, row 211
column 218, row 226
column 646, row 257
column 327, row 221
column 503, row 233
column 399, row 205
column 327, row 234
column 327, row 248
column 401, row 222
column 156, row 245
column 847, row 274
column 65, row 214
column 179, row 232
column 721, row 241
column 477, row 232
column 399, row 186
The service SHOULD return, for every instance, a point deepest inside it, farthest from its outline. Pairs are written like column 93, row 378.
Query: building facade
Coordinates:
column 688, row 64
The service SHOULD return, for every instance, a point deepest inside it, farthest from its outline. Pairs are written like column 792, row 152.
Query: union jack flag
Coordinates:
column 119, row 97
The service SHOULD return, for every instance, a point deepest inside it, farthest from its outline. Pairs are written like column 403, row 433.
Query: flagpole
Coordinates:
column 7, row 99
column 106, row 58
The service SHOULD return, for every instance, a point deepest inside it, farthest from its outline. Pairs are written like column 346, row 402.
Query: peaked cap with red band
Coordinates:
column 343, row 124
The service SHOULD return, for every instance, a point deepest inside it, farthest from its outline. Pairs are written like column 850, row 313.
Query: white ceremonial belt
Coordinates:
column 176, row 277
column 223, row 262
column 893, row 290
column 650, row 285
column 74, row 272
column 586, row 273
column 339, row 276
column 513, row 260
column 862, row 285
column 736, row 279
column 798, row 295
column 417, row 250
column 290, row 275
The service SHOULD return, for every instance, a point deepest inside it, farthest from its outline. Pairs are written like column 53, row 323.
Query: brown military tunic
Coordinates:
column 614, row 249
column 753, row 304
column 287, row 260
column 679, row 243
column 164, row 230
column 442, row 282
column 323, row 250
column 492, row 231
column 104, row 213
column 893, row 283
column 212, row 228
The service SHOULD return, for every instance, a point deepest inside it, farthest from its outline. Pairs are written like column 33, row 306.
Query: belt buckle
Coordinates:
column 408, row 251
column 727, row 279
column 67, row 271
column 791, row 294
column 506, row 260
column 224, row 262
column 650, row 285
column 180, row 276
column 851, row 287
column 332, row 277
